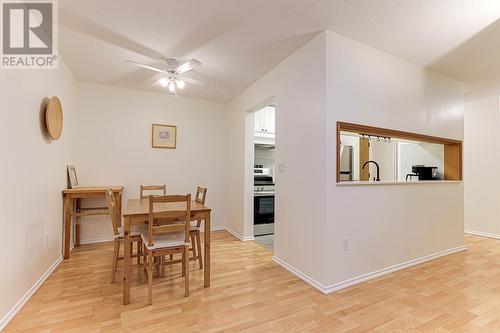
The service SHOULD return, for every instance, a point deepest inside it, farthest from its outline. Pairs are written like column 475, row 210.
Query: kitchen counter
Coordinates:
column 396, row 182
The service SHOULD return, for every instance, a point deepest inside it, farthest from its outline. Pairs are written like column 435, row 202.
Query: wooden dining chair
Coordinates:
column 143, row 188
column 119, row 234
column 158, row 189
column 194, row 232
column 165, row 239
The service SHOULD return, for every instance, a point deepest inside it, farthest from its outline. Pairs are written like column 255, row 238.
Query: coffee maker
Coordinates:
column 424, row 172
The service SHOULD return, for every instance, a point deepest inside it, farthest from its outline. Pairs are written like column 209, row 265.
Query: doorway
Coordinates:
column 261, row 162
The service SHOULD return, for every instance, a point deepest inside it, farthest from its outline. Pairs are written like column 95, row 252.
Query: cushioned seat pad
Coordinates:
column 165, row 240
column 136, row 230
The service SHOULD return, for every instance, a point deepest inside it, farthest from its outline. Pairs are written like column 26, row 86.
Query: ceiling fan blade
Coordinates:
column 146, row 66
column 187, row 66
column 192, row 81
column 157, row 83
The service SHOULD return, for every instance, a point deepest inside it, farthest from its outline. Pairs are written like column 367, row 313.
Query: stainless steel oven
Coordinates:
column 263, row 214
column 263, row 201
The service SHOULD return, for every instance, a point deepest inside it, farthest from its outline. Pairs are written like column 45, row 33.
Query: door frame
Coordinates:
column 248, row 206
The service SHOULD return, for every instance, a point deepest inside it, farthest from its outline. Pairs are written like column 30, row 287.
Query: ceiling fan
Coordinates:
column 174, row 74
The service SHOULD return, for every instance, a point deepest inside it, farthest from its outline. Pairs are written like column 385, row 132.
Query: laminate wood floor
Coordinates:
column 249, row 293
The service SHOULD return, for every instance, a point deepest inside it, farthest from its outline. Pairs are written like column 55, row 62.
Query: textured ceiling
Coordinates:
column 239, row 41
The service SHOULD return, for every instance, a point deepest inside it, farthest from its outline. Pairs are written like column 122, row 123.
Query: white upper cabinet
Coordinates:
column 264, row 120
column 269, row 120
column 259, row 121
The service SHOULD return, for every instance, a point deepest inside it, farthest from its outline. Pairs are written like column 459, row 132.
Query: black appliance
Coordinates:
column 263, row 209
column 423, row 172
column 263, row 217
column 263, row 180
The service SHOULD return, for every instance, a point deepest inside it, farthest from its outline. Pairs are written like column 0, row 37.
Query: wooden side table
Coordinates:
column 76, row 194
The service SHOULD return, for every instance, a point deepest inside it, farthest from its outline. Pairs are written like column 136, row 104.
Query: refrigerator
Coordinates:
column 346, row 172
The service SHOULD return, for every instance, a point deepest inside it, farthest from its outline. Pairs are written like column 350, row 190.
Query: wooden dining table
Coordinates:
column 136, row 212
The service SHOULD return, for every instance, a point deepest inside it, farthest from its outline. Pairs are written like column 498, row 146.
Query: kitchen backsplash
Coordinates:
column 265, row 157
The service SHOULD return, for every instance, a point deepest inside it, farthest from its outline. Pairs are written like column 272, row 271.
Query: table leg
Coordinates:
column 206, row 269
column 78, row 220
column 126, row 261
column 68, row 209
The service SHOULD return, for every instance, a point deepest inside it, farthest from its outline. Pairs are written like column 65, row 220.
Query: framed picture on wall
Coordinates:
column 73, row 179
column 164, row 136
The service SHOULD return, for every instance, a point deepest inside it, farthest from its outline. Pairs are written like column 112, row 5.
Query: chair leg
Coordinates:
column 77, row 232
column 198, row 245
column 150, row 277
column 184, row 262
column 193, row 245
column 139, row 252
column 157, row 266
column 116, row 251
column 131, row 250
column 144, row 256
column 162, row 268
column 186, row 271
column 145, row 260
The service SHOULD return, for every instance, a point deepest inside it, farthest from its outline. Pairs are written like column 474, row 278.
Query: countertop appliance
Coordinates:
column 346, row 172
column 263, row 179
column 263, row 201
column 424, row 173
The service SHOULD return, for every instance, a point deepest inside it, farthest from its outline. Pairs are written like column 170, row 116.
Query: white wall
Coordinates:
column 33, row 175
column 387, row 224
column 481, row 161
column 298, row 87
column 113, row 147
column 481, row 90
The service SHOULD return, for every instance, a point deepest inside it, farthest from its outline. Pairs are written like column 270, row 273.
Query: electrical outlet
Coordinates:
column 345, row 244
column 45, row 239
column 281, row 167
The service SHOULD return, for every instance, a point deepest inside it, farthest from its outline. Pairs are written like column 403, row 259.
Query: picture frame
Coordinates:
column 73, row 179
column 164, row 136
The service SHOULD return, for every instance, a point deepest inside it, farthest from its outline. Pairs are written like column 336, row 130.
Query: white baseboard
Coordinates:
column 237, row 235
column 365, row 277
column 482, row 234
column 299, row 274
column 96, row 240
column 19, row 305
column 248, row 238
column 391, row 269
column 202, row 230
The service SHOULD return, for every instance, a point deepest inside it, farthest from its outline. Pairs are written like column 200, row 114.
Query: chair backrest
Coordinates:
column 111, row 202
column 201, row 193
column 179, row 211
column 143, row 188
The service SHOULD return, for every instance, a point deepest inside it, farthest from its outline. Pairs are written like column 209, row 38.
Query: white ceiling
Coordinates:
column 238, row 41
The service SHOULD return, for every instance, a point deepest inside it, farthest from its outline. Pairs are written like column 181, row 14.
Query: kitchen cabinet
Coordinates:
column 264, row 121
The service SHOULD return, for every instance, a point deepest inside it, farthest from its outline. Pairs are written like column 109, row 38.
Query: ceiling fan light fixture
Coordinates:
column 163, row 82
column 180, row 84
column 170, row 71
column 171, row 87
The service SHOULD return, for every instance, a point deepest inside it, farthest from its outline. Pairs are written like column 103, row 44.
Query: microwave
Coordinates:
column 262, row 176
